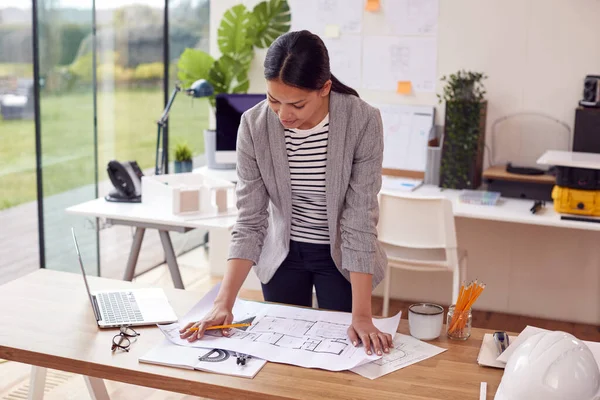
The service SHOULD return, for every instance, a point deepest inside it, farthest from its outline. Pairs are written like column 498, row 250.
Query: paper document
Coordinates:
column 407, row 351
column 300, row 336
column 208, row 360
column 489, row 352
column 388, row 60
column 411, row 17
column 532, row 330
column 345, row 58
column 316, row 15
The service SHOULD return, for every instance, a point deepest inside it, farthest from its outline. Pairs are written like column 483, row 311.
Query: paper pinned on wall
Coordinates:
column 388, row 60
column 345, row 58
column 411, row 17
column 406, row 132
column 316, row 15
column 372, row 5
column 332, row 31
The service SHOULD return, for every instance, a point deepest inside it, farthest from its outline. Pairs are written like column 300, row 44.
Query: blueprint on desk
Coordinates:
column 406, row 351
column 299, row 336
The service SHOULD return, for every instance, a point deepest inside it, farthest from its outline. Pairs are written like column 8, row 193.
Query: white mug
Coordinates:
column 425, row 320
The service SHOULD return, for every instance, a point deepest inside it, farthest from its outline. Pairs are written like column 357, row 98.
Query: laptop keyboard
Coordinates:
column 119, row 308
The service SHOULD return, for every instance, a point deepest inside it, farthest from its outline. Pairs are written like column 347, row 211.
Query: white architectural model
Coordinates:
column 190, row 194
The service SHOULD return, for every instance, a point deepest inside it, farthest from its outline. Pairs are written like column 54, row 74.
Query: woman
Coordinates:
column 309, row 171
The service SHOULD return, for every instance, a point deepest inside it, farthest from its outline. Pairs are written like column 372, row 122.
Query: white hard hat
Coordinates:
column 551, row 365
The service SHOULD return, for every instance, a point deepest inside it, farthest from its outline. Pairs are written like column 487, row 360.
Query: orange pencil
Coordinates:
column 221, row 327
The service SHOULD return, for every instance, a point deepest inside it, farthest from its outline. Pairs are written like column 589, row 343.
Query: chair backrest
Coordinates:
column 416, row 222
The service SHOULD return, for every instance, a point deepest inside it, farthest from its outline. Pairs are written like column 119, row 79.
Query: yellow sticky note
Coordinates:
column 332, row 31
column 404, row 87
column 372, row 5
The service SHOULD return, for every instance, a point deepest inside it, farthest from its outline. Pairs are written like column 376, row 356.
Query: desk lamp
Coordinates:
column 200, row 88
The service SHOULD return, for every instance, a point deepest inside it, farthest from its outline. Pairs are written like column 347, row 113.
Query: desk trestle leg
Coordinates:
column 96, row 388
column 171, row 259
column 136, row 245
column 37, row 383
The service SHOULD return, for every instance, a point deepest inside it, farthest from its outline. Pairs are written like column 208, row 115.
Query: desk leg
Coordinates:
column 171, row 259
column 134, row 253
column 37, row 383
column 96, row 388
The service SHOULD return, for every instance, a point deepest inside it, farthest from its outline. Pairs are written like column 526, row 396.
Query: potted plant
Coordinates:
column 464, row 130
column 183, row 158
column 239, row 32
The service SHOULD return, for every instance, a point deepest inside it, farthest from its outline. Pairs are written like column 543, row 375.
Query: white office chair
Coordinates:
column 418, row 234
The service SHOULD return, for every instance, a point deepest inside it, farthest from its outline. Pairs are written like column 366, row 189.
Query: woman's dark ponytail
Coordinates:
column 301, row 59
column 339, row 87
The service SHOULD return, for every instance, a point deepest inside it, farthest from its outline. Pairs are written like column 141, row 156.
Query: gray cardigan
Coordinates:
column 353, row 180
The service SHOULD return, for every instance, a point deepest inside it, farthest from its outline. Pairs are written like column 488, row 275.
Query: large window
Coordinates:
column 67, row 130
column 18, row 210
column 101, row 93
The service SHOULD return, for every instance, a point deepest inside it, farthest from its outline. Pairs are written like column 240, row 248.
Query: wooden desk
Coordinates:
column 47, row 321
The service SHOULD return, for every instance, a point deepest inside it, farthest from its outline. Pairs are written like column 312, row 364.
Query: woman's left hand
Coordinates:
column 363, row 330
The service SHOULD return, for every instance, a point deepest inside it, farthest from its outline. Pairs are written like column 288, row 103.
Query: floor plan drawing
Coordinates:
column 396, row 355
column 290, row 333
column 272, row 335
column 406, row 351
column 301, row 336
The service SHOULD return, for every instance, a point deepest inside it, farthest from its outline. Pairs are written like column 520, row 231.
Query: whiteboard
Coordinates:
column 406, row 131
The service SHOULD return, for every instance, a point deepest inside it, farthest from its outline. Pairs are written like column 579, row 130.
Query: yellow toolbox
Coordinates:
column 576, row 201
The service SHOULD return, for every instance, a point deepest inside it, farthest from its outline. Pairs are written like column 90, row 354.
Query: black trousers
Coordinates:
column 305, row 266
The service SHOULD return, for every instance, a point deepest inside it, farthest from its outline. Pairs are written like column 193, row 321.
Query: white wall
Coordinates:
column 535, row 52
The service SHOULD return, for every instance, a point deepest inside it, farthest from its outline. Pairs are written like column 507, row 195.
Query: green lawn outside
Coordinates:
column 23, row 70
column 126, row 131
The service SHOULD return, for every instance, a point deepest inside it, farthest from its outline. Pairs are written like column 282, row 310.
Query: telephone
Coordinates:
column 126, row 177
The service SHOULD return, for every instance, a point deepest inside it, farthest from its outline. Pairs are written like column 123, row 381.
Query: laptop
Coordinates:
column 132, row 307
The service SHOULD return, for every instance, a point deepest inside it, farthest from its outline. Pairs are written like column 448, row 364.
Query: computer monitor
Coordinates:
column 229, row 110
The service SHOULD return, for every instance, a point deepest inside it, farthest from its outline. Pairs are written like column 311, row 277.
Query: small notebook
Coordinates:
column 488, row 353
column 207, row 360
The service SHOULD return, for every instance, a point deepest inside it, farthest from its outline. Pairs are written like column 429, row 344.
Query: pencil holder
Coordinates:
column 458, row 324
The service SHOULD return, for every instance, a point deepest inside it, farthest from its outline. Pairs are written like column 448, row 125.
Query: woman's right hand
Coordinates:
column 219, row 315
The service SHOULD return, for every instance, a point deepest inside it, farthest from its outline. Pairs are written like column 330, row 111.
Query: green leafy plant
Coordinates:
column 464, row 130
column 240, row 31
column 183, row 152
column 463, row 86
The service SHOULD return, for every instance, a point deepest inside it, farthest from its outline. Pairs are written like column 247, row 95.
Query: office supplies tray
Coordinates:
column 479, row 197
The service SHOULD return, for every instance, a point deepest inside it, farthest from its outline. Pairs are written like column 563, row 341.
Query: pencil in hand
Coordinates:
column 241, row 325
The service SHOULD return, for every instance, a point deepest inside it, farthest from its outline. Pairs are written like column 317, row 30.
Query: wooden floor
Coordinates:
column 14, row 377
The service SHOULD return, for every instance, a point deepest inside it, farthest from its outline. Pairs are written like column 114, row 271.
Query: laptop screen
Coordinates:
column 87, row 287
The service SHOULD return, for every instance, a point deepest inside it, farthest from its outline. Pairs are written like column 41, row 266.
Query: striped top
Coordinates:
column 307, row 156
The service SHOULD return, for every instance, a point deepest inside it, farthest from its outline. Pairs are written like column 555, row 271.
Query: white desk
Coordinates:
column 144, row 217
column 506, row 210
